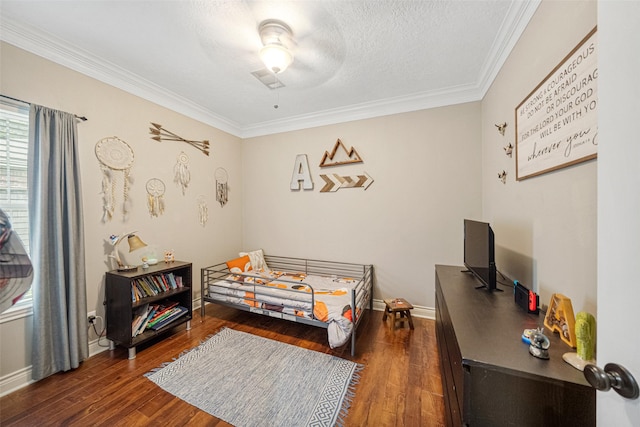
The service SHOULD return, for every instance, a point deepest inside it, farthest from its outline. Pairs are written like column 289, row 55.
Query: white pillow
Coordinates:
column 257, row 259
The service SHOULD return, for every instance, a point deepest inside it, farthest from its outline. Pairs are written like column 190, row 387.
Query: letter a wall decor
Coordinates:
column 301, row 173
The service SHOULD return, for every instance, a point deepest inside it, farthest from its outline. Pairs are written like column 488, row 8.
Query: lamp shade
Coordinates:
column 135, row 243
column 276, row 57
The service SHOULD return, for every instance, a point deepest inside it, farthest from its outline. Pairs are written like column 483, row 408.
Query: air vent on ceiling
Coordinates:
column 268, row 79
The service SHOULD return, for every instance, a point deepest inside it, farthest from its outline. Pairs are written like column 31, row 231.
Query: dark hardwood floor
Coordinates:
column 399, row 386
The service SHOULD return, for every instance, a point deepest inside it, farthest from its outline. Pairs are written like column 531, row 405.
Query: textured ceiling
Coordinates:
column 353, row 59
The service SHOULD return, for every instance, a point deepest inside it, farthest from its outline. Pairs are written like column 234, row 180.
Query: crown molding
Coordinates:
column 514, row 24
column 53, row 49
column 367, row 110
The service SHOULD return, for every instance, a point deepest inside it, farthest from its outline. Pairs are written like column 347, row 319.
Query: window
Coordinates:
column 14, row 134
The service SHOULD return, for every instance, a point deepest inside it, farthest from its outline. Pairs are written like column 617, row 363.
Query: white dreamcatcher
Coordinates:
column 203, row 210
column 155, row 196
column 182, row 176
column 222, row 189
column 114, row 155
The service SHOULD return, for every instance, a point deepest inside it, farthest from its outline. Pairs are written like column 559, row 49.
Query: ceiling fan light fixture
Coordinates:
column 274, row 53
column 276, row 57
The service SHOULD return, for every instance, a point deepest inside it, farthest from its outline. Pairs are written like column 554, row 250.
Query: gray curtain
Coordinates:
column 60, row 338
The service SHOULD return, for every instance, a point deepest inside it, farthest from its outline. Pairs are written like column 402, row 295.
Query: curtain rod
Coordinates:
column 83, row 118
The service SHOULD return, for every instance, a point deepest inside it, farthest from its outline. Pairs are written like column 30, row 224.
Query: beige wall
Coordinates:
column 112, row 112
column 425, row 165
column 431, row 168
column 545, row 226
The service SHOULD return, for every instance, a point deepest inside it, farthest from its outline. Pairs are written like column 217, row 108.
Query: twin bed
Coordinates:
column 326, row 294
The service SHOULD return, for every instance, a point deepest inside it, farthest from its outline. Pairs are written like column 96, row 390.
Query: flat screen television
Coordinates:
column 479, row 253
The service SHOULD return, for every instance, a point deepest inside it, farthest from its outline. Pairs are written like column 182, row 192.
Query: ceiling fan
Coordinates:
column 304, row 34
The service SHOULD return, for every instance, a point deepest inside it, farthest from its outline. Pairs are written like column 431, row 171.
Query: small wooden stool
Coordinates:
column 398, row 305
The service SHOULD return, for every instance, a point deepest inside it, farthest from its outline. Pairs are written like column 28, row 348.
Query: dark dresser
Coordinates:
column 488, row 376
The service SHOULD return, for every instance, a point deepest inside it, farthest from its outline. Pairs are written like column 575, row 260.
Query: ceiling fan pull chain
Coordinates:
column 277, row 104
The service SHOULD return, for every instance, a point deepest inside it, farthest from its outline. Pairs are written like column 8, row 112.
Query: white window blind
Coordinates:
column 14, row 134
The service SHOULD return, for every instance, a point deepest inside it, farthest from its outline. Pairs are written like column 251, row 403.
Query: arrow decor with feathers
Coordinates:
column 160, row 134
column 334, row 182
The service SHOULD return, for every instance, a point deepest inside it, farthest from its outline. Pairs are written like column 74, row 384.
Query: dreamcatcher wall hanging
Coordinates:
column 114, row 156
column 155, row 196
column 182, row 176
column 222, row 189
column 203, row 210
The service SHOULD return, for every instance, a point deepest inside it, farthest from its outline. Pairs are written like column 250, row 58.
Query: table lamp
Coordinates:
column 135, row 243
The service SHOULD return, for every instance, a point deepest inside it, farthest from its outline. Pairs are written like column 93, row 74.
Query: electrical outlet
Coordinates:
column 91, row 316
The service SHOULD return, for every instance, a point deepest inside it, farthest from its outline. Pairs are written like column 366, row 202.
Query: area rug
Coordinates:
column 250, row 381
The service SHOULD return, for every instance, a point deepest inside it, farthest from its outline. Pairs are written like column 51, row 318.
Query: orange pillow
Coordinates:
column 239, row 265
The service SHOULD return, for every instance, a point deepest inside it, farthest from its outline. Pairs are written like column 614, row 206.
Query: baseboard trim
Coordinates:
column 418, row 310
column 22, row 377
column 15, row 381
column 96, row 348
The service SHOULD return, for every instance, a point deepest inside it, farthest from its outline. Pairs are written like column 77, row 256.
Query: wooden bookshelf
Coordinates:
column 122, row 304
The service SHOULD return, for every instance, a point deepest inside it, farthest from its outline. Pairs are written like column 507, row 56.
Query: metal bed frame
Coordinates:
column 361, row 294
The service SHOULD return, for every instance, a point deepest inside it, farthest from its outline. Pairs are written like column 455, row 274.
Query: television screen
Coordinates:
column 479, row 252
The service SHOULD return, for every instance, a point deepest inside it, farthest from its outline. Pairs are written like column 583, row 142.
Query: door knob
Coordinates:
column 613, row 376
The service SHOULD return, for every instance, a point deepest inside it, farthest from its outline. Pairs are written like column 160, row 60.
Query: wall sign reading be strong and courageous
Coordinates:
column 557, row 124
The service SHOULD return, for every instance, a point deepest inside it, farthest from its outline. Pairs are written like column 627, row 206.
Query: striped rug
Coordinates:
column 250, row 381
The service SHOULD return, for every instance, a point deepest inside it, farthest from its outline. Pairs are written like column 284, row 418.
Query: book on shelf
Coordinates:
column 144, row 287
column 152, row 285
column 162, row 313
column 148, row 316
column 139, row 317
column 172, row 280
column 160, row 282
column 148, row 286
column 174, row 314
column 145, row 322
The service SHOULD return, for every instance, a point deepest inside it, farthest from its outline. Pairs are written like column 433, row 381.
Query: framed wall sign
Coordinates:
column 557, row 123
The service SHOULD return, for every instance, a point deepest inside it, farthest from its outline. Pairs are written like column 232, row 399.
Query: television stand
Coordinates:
column 488, row 376
column 489, row 290
column 467, row 271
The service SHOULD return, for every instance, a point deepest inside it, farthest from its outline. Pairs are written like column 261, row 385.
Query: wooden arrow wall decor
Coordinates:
column 161, row 134
column 334, row 182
